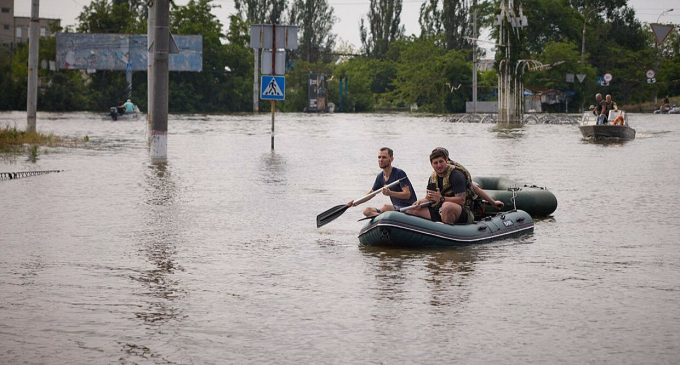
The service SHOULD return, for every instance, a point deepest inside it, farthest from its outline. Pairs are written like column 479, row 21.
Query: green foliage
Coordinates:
column 428, row 76
column 102, row 16
column 361, row 73
column 382, row 27
column 315, row 19
column 394, row 72
column 7, row 81
column 202, row 91
column 238, row 86
column 261, row 11
column 456, row 24
column 12, row 139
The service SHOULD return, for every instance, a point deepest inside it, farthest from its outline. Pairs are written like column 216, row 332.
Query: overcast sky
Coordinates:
column 348, row 12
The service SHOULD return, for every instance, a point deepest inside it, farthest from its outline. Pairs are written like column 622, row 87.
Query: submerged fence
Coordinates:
column 20, row 174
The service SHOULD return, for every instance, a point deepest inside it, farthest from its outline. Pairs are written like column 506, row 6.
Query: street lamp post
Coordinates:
column 662, row 13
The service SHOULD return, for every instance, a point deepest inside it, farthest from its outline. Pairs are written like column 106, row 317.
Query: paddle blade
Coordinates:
column 330, row 215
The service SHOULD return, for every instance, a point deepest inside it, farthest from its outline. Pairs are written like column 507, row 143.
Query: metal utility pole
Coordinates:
column 510, row 90
column 158, row 148
column 32, row 91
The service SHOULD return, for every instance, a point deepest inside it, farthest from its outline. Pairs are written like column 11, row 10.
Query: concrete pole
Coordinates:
column 32, row 91
column 151, row 24
column 159, row 109
column 474, row 57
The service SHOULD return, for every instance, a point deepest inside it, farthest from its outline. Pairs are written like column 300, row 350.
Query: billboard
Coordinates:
column 77, row 51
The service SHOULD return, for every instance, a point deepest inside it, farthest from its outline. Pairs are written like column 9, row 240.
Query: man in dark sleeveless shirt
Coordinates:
column 401, row 195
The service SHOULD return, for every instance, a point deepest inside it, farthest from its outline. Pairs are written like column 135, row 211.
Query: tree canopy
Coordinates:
column 432, row 69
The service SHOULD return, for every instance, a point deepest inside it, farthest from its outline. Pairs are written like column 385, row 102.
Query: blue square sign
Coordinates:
column 272, row 87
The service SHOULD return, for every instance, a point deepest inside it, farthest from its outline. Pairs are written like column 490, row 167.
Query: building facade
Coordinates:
column 6, row 21
column 14, row 29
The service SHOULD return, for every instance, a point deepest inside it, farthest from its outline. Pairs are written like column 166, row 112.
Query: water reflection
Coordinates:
column 159, row 240
column 273, row 168
column 446, row 279
column 605, row 142
column 509, row 131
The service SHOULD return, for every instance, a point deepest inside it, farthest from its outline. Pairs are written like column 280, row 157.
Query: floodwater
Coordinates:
column 215, row 258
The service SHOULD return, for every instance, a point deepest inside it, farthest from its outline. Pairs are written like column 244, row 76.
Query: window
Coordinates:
column 5, row 26
column 18, row 33
column 5, row 10
column 43, row 31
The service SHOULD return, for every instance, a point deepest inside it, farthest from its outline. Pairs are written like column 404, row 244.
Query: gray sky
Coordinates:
column 348, row 12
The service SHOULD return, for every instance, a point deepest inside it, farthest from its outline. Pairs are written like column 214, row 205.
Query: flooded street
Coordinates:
column 215, row 258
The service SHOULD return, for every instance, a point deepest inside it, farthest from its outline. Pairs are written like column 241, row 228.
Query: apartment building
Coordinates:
column 14, row 29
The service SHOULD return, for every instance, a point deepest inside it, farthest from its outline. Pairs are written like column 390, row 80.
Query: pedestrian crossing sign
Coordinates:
column 272, row 87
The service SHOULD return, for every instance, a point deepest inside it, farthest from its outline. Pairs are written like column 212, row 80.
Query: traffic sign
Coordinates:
column 650, row 74
column 272, row 87
column 608, row 77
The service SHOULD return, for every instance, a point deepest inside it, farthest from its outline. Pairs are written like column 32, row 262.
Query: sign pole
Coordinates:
column 273, row 113
column 273, row 73
column 272, row 86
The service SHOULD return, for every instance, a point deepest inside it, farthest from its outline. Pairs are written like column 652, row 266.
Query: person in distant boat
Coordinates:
column 599, row 109
column 666, row 106
column 120, row 108
column 609, row 104
column 129, row 106
column 451, row 192
column 401, row 195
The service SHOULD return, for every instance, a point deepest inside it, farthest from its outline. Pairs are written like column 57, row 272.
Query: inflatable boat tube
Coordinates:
column 396, row 229
column 535, row 200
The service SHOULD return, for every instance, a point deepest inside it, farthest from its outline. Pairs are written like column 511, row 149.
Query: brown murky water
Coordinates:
column 215, row 258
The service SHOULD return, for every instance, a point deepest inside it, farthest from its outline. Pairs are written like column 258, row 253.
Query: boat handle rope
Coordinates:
column 514, row 195
column 20, row 174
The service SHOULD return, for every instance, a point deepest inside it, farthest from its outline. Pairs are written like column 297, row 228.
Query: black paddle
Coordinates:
column 331, row 214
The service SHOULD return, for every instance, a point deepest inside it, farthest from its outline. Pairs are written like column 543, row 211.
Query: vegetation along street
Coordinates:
column 390, row 70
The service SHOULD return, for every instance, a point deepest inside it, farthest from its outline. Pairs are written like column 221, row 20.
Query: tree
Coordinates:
column 315, row 19
column 430, row 19
column 452, row 22
column 384, row 27
column 261, row 11
column 10, row 94
column 119, row 16
column 239, row 60
column 205, row 90
column 426, row 74
column 455, row 22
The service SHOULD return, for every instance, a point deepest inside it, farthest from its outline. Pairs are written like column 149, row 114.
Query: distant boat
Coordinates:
column 668, row 110
column 592, row 130
column 117, row 113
